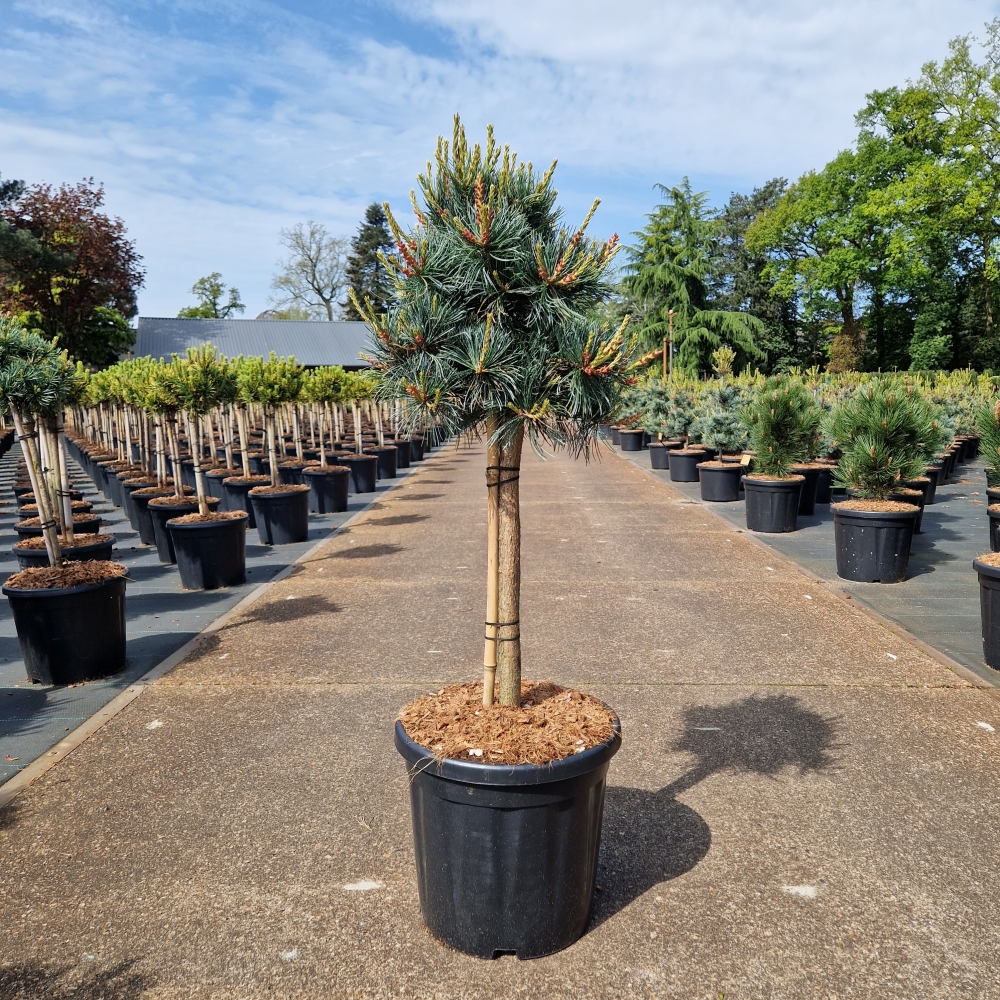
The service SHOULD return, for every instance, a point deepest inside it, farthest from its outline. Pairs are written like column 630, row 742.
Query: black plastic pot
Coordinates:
column 91, row 526
column 291, row 475
column 989, row 610
column 616, row 435
column 159, row 515
column 328, row 489
column 71, row 634
column 416, row 449
column 992, row 476
column 684, row 465
column 972, row 451
column 144, row 522
column 873, row 546
column 212, row 554
column 26, row 558
column 630, row 439
column 994, row 516
column 281, row 518
column 933, row 473
column 256, row 463
column 773, row 504
column 658, row 455
column 213, row 485
column 364, row 470
column 824, row 483
column 386, row 458
column 506, row 856
column 187, row 472
column 807, row 498
column 237, row 497
column 720, row 484
column 402, row 453
column 128, row 506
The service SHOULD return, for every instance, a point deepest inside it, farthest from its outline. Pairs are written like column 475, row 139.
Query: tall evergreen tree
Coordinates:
column 366, row 273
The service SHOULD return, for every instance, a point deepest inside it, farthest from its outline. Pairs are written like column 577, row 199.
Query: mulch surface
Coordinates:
column 247, row 479
column 260, row 491
column 552, row 723
column 34, row 522
column 221, row 515
column 73, row 574
column 38, row 541
column 876, row 506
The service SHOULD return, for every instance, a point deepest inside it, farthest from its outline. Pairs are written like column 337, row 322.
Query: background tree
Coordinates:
column 210, row 292
column 311, row 279
column 665, row 284
column 366, row 274
column 67, row 270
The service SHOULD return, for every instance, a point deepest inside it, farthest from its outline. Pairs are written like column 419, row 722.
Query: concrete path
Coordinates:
column 160, row 618
column 805, row 806
column 939, row 600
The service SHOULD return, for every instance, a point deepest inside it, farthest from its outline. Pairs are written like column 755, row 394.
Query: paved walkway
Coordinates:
column 939, row 600
column 160, row 618
column 804, row 806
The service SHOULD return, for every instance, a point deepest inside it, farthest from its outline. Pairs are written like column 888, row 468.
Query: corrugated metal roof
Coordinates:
column 311, row 343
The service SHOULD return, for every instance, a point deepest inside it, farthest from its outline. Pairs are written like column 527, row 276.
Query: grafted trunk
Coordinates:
column 509, row 583
column 492, row 563
column 27, row 434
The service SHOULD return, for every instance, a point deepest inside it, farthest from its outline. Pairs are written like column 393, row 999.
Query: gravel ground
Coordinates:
column 803, row 806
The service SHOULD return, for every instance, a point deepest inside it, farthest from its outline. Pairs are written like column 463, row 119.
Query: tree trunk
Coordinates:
column 241, row 426
column 62, row 479
column 509, row 587
column 199, row 479
column 270, row 419
column 27, row 434
column 492, row 562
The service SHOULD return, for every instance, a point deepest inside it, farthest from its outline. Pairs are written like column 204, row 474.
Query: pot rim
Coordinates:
column 419, row 758
column 327, row 470
column 207, row 524
column 60, row 591
column 867, row 515
column 983, row 569
column 722, row 467
column 773, row 481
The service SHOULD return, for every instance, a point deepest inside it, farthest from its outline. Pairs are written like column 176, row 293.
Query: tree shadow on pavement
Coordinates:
column 276, row 612
column 35, row 981
column 400, row 519
column 367, row 552
column 650, row 837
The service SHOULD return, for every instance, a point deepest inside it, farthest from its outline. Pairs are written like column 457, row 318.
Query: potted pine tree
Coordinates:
column 209, row 545
column 491, row 332
column 281, row 510
column 782, row 420
column 69, row 616
column 885, row 432
column 720, row 427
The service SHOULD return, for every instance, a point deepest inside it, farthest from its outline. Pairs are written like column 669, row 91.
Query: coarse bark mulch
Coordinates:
column 876, row 506
column 73, row 574
column 38, row 541
column 220, row 515
column 259, row 491
column 552, row 723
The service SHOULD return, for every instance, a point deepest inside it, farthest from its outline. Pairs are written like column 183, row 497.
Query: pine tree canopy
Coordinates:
column 494, row 298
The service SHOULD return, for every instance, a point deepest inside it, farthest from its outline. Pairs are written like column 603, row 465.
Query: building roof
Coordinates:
column 310, row 343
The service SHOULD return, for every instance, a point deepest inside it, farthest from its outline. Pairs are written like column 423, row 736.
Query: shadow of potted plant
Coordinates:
column 491, row 332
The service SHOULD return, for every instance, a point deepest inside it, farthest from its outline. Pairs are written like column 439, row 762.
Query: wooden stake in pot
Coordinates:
column 492, row 561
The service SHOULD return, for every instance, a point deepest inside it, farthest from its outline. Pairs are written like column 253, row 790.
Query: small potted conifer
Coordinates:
column 281, row 510
column 720, row 427
column 69, row 615
column 782, row 420
column 491, row 332
column 209, row 545
column 885, row 433
column 328, row 483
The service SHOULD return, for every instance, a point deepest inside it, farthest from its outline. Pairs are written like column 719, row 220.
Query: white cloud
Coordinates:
column 214, row 124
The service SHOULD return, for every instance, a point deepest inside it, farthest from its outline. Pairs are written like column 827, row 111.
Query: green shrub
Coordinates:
column 783, row 422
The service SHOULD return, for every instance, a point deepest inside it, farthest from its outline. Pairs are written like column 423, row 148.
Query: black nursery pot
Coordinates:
column 506, row 855
column 933, row 473
column 213, row 485
column 364, row 472
column 290, row 474
column 824, row 483
column 616, row 435
column 684, row 465
column 631, row 439
column 807, row 498
column 144, row 521
column 994, row 516
column 129, row 506
column 720, row 485
column 282, row 518
column 159, row 515
column 989, row 610
column 27, row 558
column 403, row 453
column 211, row 554
column 386, row 459
column 237, row 497
column 416, row 449
column 71, row 634
column 328, row 488
column 773, row 504
column 873, row 546
column 658, row 455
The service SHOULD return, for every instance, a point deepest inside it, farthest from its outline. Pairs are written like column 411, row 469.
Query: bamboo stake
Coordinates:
column 27, row 439
column 62, row 480
column 272, row 450
column 492, row 561
column 199, row 479
column 509, row 574
column 241, row 426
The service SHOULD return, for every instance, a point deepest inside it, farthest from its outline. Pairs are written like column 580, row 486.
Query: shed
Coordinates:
column 310, row 343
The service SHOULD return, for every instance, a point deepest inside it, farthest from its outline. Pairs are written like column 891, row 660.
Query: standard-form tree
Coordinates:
column 490, row 332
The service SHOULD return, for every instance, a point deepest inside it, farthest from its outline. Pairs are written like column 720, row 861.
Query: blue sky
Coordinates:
column 215, row 124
